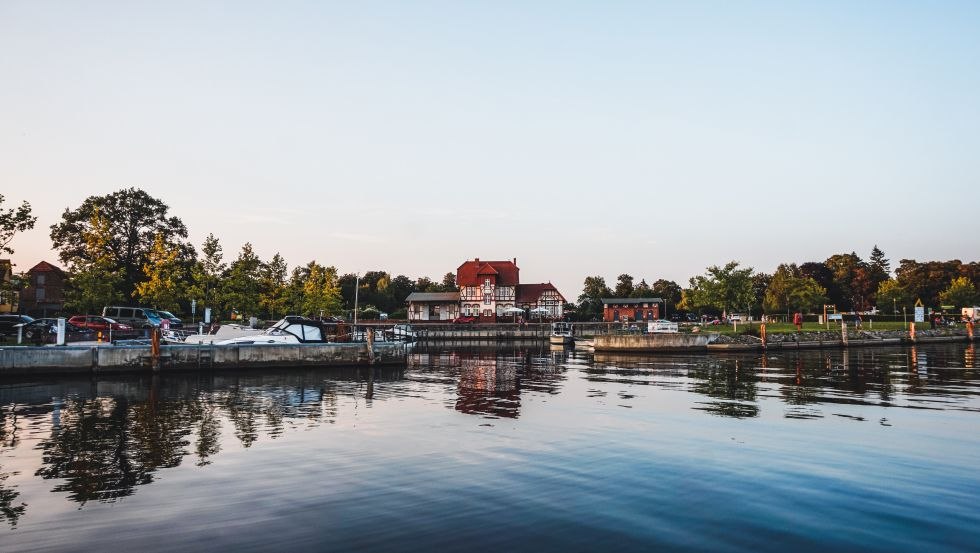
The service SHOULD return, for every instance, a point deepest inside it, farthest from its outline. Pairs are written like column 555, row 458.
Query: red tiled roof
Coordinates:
column 530, row 293
column 44, row 267
column 468, row 274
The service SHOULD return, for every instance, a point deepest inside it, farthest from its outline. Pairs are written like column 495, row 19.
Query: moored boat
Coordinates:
column 561, row 333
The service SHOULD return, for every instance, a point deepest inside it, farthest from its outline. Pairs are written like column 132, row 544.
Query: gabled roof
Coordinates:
column 433, row 297
column 470, row 272
column 530, row 293
column 44, row 267
column 631, row 301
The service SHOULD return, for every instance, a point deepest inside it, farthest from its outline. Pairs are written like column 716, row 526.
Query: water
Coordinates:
column 512, row 449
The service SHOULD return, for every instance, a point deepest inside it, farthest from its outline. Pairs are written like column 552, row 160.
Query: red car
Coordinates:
column 101, row 324
column 464, row 320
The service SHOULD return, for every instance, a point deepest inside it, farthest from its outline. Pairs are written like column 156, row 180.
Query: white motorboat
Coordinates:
column 289, row 330
column 561, row 333
column 222, row 333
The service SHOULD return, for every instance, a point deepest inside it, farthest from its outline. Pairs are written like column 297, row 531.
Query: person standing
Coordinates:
column 798, row 321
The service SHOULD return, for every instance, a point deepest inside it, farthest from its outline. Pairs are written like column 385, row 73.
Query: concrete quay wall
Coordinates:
column 111, row 359
column 653, row 342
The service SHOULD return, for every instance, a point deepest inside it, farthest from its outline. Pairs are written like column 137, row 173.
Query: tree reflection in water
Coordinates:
column 10, row 509
column 101, row 448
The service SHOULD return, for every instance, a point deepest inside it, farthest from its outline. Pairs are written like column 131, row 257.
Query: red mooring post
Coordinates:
column 912, row 331
column 969, row 330
column 762, row 334
column 155, row 349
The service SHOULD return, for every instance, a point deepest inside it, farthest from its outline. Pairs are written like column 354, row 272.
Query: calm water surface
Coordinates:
column 515, row 449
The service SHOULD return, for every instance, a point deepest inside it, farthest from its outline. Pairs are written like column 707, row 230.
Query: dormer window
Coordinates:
column 486, row 282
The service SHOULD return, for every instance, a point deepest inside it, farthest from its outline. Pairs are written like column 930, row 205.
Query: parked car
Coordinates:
column 103, row 325
column 136, row 317
column 45, row 331
column 175, row 321
column 464, row 320
column 9, row 323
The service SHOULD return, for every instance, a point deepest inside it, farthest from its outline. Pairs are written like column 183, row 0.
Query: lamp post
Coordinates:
column 357, row 286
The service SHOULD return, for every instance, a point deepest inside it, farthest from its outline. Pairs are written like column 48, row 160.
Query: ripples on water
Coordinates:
column 519, row 449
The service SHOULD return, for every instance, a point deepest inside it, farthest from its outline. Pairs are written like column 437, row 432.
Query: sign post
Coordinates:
column 61, row 331
column 193, row 310
column 920, row 312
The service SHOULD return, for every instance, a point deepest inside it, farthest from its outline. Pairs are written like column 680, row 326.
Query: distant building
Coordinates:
column 44, row 293
column 630, row 309
column 433, row 306
column 491, row 289
column 9, row 297
column 488, row 290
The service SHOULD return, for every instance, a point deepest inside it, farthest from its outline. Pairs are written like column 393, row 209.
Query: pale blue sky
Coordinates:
column 652, row 138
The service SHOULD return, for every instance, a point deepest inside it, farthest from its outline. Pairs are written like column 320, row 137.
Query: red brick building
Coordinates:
column 630, row 309
column 44, row 293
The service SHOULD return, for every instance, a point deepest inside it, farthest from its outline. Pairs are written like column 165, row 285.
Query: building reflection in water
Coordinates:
column 488, row 382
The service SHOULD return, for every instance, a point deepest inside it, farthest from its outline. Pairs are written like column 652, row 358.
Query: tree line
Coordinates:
column 845, row 281
column 126, row 246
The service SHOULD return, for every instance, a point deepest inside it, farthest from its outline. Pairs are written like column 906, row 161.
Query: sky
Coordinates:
column 582, row 138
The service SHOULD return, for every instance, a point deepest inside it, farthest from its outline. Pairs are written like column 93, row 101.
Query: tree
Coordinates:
column 624, row 286
column 879, row 268
column 133, row 219
column 590, row 301
column 760, row 284
column 851, row 284
column 95, row 282
column 960, row 293
column 272, row 286
column 449, row 283
column 669, row 291
column 13, row 221
column 782, row 284
column 642, row 290
column 163, row 286
column 241, row 287
column 321, row 293
column 206, row 274
column 891, row 296
column 723, row 288
column 806, row 295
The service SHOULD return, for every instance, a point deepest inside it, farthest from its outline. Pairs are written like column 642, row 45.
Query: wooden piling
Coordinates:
column 155, row 349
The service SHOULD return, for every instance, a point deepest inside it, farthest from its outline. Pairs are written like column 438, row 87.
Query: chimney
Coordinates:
column 515, row 261
column 477, row 259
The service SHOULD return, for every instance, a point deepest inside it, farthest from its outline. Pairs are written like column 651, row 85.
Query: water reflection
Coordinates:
column 100, row 440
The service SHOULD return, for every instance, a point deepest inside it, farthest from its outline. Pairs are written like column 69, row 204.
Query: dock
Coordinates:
column 119, row 359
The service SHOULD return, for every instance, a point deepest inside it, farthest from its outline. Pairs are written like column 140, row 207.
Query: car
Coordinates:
column 9, row 323
column 138, row 317
column 104, row 325
column 45, row 331
column 174, row 320
column 464, row 320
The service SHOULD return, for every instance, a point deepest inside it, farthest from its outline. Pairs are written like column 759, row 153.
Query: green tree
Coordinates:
column 206, row 275
column 960, row 293
column 241, row 287
column 724, row 288
column 133, row 219
column 95, row 282
column 321, row 293
column 891, row 297
column 13, row 221
column 624, row 286
column 590, row 300
column 272, row 285
column 449, row 283
column 163, row 286
column 806, row 295
column 669, row 291
column 642, row 290
column 777, row 294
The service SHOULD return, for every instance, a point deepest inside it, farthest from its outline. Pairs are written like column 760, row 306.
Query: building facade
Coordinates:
column 44, row 292
column 630, row 309
column 488, row 290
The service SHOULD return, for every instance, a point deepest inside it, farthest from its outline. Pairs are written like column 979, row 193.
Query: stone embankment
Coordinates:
column 835, row 339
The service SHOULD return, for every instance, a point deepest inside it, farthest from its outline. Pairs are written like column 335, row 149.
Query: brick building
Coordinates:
column 44, row 292
column 630, row 309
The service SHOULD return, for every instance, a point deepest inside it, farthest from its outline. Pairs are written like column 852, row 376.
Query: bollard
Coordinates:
column 155, row 349
column 762, row 334
column 370, row 345
column 912, row 331
column 969, row 330
column 843, row 333
column 98, row 337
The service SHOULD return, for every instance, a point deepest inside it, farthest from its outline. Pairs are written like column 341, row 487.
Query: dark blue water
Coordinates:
column 522, row 449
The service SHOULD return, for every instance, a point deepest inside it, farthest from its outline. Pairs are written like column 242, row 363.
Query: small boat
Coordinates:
column 290, row 330
column 561, row 333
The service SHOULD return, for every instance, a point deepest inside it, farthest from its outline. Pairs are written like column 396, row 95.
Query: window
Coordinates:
column 312, row 333
column 486, row 282
column 487, row 298
column 39, row 294
column 40, row 280
column 487, row 313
